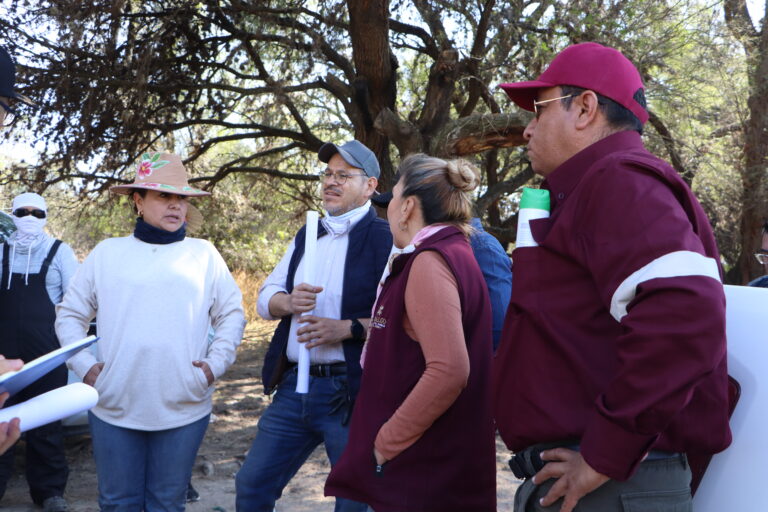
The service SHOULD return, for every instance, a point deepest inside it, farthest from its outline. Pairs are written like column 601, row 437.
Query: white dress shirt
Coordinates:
column 331, row 259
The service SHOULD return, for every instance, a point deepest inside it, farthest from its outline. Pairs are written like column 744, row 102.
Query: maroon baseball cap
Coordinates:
column 589, row 66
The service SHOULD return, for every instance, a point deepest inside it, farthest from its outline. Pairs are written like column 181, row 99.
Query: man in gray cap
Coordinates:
column 8, row 94
column 352, row 247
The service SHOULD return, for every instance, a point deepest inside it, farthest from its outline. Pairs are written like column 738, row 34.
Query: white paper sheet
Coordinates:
column 734, row 477
column 310, row 262
column 524, row 218
column 13, row 382
column 52, row 406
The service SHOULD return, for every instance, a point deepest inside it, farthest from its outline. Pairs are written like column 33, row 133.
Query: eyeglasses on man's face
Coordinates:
column 762, row 256
column 537, row 104
column 340, row 177
column 23, row 212
column 10, row 115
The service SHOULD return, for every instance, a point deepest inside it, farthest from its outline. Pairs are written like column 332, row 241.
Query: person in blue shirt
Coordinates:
column 497, row 271
column 762, row 257
column 494, row 264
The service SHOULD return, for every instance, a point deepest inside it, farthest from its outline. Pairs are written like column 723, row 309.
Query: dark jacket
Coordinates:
column 370, row 242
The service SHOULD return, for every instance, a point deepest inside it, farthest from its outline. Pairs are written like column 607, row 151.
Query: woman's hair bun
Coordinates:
column 462, row 174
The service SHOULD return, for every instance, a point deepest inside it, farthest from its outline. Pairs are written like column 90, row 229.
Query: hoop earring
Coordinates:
column 402, row 227
column 141, row 213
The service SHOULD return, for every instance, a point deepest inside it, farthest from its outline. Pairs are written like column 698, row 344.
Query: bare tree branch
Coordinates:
column 671, row 146
column 430, row 47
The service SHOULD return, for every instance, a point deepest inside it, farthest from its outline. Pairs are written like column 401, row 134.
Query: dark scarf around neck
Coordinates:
column 152, row 235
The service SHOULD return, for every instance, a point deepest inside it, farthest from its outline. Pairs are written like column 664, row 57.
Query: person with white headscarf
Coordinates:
column 36, row 270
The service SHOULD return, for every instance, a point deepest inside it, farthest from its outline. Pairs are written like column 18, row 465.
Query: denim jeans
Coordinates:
column 289, row 430
column 144, row 470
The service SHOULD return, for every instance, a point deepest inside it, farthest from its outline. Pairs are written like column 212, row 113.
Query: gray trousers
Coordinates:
column 662, row 485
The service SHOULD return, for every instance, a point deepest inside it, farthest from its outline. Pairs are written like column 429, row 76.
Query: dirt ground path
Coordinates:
column 238, row 403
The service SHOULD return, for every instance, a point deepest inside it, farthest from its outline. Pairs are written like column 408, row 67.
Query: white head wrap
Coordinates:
column 29, row 229
column 30, row 200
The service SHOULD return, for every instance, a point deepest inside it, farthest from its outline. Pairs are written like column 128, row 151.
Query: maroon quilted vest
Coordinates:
column 452, row 467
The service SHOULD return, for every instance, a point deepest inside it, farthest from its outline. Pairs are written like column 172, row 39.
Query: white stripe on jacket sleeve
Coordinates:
column 674, row 264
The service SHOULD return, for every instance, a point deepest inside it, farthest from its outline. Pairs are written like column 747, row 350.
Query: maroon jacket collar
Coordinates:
column 565, row 178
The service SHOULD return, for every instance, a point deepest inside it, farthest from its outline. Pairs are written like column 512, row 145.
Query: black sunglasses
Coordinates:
column 23, row 212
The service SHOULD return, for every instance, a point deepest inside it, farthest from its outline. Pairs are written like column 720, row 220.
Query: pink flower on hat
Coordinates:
column 145, row 169
column 148, row 164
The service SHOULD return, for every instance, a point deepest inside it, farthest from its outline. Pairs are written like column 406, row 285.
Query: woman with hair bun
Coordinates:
column 422, row 433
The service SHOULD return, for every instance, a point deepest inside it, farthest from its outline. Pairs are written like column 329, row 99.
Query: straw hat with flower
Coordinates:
column 164, row 172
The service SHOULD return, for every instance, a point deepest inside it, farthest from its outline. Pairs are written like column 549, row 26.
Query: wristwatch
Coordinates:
column 357, row 329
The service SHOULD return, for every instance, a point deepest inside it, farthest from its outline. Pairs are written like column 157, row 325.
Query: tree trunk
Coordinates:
column 754, row 206
column 753, row 177
column 375, row 84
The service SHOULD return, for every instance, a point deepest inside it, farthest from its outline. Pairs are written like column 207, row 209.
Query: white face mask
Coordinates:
column 29, row 225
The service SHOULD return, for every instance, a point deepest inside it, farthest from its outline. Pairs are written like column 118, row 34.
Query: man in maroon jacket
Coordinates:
column 613, row 362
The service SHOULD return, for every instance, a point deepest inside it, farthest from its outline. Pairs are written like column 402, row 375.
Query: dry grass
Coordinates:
column 249, row 284
column 257, row 330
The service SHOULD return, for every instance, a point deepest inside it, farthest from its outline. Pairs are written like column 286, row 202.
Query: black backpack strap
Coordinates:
column 49, row 258
column 6, row 254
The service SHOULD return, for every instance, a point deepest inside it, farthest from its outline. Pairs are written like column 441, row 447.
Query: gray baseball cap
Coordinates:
column 355, row 154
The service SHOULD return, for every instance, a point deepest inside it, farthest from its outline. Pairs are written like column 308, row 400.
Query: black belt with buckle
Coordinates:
column 527, row 463
column 324, row 370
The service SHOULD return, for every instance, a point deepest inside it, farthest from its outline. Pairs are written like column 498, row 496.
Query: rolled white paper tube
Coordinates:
column 52, row 406
column 310, row 266
column 310, row 248
column 302, row 378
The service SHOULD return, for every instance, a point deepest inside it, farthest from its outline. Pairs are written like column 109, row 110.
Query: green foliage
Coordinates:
column 250, row 223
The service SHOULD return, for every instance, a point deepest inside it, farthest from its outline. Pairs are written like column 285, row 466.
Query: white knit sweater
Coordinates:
column 154, row 305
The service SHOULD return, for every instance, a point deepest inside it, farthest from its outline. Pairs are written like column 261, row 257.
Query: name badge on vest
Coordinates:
column 378, row 321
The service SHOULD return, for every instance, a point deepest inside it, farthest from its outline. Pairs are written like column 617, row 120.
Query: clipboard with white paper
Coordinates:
column 51, row 406
column 13, row 382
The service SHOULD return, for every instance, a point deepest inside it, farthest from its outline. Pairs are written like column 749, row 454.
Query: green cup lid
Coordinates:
column 537, row 198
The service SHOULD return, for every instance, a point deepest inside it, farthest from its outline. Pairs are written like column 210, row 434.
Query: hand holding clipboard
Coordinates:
column 48, row 407
column 9, row 431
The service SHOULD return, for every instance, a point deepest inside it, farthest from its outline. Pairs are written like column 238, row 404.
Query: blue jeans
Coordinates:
column 144, row 470
column 289, row 430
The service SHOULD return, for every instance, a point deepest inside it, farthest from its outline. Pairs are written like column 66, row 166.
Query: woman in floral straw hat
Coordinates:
column 155, row 294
